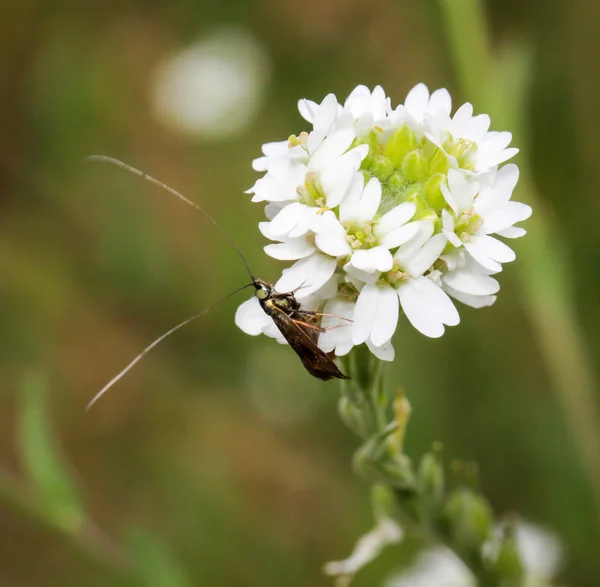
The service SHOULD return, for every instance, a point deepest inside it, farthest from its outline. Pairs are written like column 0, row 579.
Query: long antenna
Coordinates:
column 164, row 186
column 157, row 341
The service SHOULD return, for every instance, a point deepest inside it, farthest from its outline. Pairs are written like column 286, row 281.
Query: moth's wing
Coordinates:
column 302, row 338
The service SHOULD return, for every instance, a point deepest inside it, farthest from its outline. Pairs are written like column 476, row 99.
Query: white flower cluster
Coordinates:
column 384, row 208
column 540, row 552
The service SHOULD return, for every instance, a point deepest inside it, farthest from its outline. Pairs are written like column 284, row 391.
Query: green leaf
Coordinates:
column 154, row 563
column 45, row 468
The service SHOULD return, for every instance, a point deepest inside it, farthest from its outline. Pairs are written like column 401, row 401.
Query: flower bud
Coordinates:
column 438, row 162
column 469, row 518
column 355, row 417
column 376, row 463
column 432, row 191
column 402, row 141
column 507, row 564
column 381, row 167
column 414, row 166
column 431, row 479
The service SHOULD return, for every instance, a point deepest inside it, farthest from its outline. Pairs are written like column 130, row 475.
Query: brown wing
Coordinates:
column 301, row 337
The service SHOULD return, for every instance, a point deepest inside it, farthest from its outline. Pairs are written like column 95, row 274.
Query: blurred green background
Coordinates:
column 218, row 444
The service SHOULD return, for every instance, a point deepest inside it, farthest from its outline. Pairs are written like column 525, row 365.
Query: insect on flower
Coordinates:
column 299, row 327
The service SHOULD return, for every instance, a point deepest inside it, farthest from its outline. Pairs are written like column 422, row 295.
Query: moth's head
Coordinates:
column 263, row 289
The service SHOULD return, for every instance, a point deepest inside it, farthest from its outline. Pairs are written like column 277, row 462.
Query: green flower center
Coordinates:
column 360, row 236
column 411, row 168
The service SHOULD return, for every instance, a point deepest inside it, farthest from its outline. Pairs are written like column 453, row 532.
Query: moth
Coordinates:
column 299, row 327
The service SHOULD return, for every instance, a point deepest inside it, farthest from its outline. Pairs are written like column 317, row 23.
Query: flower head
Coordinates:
column 385, row 210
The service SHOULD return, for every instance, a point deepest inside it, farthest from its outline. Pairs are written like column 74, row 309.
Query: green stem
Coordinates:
column 462, row 521
column 543, row 270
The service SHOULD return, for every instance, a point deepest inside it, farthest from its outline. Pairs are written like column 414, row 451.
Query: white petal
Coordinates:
column 337, row 179
column 395, row 218
column 471, row 283
column 477, row 127
column 292, row 219
column 367, row 549
column 427, row 255
column 461, row 119
column 330, row 235
column 307, row 275
column 250, row 317
column 417, row 101
column 369, row 200
column 307, row 109
column 448, row 196
column 511, row 213
column 448, row 229
column 361, row 201
column 275, row 148
column 385, row 352
column 338, row 334
column 426, row 306
column 398, row 237
column 494, row 249
column 407, row 251
column 271, row 189
column 487, row 160
column 507, row 177
column 463, row 191
column 373, row 308
column 290, row 250
column 326, row 114
column 470, row 300
column 358, row 277
column 417, row 311
column 385, row 319
column 480, row 255
column 313, row 141
column 440, row 100
column 331, row 148
column 370, row 260
column 273, row 208
column 512, row 232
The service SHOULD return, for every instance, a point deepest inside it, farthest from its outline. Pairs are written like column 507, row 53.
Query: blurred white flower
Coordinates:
column 213, row 88
column 367, row 549
column 540, row 550
column 385, row 209
column 540, row 553
column 438, row 567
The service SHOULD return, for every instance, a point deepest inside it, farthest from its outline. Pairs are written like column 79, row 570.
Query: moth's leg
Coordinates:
column 291, row 293
column 305, row 324
column 311, row 313
column 333, row 326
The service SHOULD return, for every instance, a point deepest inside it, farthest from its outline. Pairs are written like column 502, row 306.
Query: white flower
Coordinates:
column 357, row 235
column 475, row 214
column 384, row 210
column 367, row 549
column 466, row 280
column 438, row 567
column 540, row 553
